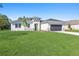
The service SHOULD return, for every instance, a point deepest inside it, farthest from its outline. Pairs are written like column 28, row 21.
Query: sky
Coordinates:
column 60, row 11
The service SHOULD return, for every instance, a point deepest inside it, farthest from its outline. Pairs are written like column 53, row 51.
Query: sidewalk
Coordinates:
column 72, row 33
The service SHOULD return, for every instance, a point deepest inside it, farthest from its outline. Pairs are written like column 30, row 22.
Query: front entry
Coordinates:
column 36, row 27
column 56, row 27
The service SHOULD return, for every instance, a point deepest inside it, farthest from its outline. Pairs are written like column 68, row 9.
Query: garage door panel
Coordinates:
column 56, row 27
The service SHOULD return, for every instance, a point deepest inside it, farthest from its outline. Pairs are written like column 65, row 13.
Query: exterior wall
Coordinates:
column 75, row 27
column 33, row 27
column 45, row 27
column 20, row 29
column 65, row 27
column 17, row 29
column 42, row 27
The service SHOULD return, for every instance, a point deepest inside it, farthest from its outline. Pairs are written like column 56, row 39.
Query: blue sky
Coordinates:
column 61, row 11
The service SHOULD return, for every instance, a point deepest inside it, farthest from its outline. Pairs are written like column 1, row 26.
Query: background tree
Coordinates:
column 25, row 20
column 4, row 22
column 20, row 19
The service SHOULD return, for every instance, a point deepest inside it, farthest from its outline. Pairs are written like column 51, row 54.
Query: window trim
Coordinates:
column 18, row 25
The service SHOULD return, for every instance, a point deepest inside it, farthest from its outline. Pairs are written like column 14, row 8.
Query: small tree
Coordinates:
column 69, row 26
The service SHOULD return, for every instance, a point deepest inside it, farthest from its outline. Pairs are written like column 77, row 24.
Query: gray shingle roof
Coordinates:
column 53, row 22
column 49, row 21
column 16, row 21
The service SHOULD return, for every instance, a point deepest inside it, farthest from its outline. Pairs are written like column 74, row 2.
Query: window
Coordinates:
column 28, row 25
column 17, row 25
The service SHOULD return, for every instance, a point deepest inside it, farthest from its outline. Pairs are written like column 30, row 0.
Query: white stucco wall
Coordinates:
column 75, row 27
column 17, row 29
column 62, row 28
column 65, row 27
column 45, row 27
column 33, row 27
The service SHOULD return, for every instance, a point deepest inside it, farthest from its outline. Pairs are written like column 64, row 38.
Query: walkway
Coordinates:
column 72, row 33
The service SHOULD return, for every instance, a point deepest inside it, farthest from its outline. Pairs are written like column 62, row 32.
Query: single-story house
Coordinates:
column 38, row 25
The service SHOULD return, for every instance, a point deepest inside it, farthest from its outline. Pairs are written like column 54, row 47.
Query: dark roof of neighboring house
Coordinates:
column 72, row 22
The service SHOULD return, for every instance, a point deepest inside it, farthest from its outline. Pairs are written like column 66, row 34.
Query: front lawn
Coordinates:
column 23, row 43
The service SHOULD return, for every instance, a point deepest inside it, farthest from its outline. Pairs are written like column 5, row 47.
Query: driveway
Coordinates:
column 72, row 33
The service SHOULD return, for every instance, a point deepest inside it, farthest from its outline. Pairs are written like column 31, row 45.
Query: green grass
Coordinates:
column 38, row 44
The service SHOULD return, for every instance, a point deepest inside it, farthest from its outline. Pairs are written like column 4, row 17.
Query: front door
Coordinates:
column 36, row 27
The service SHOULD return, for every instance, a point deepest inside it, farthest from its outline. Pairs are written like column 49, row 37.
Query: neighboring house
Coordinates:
column 72, row 24
column 38, row 25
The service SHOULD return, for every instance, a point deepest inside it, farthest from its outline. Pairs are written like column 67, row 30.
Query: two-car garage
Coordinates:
column 53, row 25
column 56, row 27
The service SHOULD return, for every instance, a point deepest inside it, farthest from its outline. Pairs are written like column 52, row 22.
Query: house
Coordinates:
column 52, row 25
column 38, row 25
column 72, row 24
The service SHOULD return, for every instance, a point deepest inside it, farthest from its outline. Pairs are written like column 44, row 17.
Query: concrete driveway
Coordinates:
column 72, row 33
